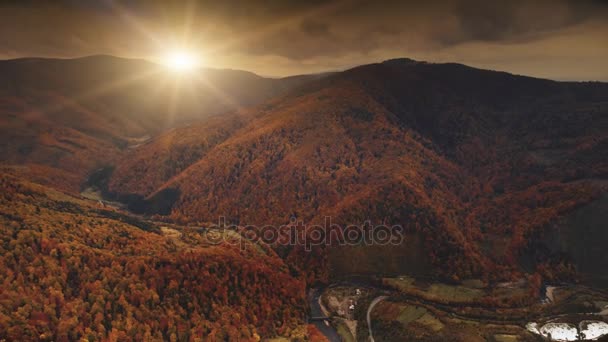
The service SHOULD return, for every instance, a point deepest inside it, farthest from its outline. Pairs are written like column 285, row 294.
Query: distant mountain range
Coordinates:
column 68, row 117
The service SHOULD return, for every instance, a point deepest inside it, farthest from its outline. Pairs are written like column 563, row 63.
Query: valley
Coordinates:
column 405, row 308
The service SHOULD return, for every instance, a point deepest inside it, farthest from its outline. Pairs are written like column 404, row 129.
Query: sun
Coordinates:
column 181, row 61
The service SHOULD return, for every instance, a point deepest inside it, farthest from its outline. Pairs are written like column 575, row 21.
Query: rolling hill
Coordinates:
column 474, row 161
column 65, row 118
column 71, row 271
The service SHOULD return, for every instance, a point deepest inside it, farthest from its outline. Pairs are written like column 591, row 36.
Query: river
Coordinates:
column 315, row 311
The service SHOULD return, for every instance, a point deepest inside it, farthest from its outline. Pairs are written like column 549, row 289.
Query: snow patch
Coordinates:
column 587, row 331
column 593, row 330
column 559, row 331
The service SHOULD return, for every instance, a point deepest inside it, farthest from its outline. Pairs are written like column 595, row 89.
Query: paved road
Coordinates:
column 369, row 312
column 315, row 311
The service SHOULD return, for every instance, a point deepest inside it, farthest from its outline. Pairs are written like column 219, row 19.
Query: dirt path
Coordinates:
column 369, row 312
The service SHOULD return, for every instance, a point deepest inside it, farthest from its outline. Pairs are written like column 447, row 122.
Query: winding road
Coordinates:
column 369, row 312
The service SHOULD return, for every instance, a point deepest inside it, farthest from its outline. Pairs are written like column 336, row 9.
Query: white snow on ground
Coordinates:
column 593, row 330
column 559, row 331
column 589, row 330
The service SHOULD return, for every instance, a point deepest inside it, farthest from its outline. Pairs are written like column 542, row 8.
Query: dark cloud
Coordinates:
column 315, row 28
column 497, row 21
column 305, row 33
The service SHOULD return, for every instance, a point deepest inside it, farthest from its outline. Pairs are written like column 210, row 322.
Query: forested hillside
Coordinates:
column 64, row 118
column 474, row 160
column 486, row 172
column 70, row 271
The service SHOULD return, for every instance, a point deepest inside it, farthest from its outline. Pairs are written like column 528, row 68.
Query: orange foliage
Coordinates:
column 68, row 271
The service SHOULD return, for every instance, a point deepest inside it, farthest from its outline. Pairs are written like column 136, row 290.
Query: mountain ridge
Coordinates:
column 323, row 148
column 84, row 112
column 465, row 158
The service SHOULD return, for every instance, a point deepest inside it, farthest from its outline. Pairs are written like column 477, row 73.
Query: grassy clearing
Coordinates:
column 506, row 338
column 343, row 331
column 437, row 291
column 401, row 284
column 430, row 321
column 410, row 313
column 452, row 293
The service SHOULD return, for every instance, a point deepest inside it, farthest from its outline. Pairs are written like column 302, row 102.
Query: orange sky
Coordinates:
column 558, row 39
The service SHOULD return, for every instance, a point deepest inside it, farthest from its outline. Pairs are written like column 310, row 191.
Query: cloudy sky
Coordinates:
column 558, row 39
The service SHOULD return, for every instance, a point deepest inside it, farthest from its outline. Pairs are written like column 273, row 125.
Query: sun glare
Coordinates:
column 181, row 61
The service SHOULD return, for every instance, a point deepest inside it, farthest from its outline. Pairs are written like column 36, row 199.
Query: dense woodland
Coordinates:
column 69, row 273
column 476, row 168
column 478, row 164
